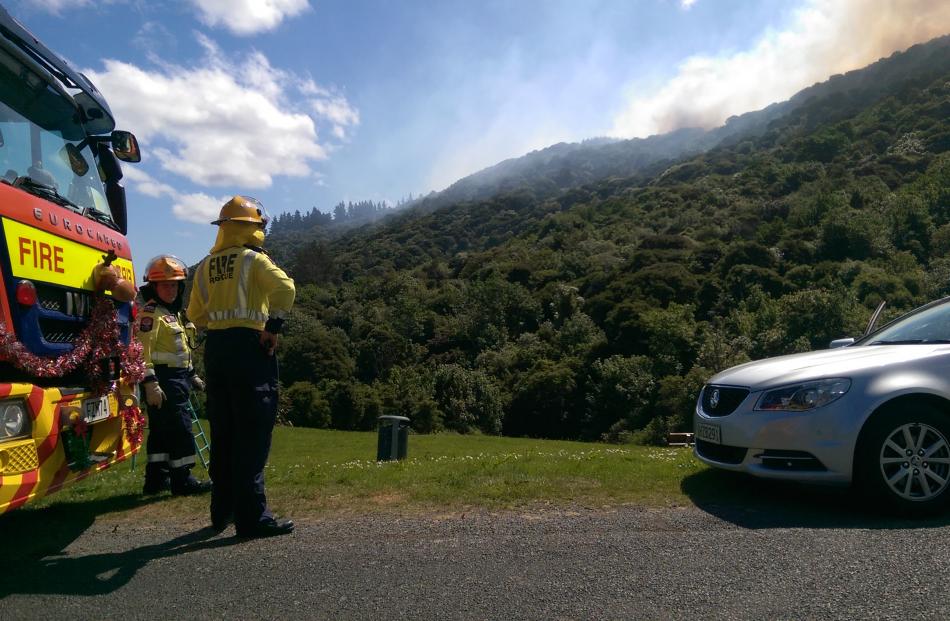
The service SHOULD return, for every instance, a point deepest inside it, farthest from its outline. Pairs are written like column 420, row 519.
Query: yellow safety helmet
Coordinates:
column 243, row 209
column 165, row 267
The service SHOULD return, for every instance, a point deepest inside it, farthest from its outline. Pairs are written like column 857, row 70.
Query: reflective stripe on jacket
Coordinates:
column 165, row 337
column 238, row 287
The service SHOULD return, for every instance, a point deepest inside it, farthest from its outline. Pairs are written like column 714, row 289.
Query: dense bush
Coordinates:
column 597, row 311
column 305, row 406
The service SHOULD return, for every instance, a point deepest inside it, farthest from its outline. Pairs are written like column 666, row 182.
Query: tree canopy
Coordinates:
column 572, row 305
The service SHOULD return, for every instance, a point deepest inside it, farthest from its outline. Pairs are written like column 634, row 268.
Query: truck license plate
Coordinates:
column 709, row 433
column 95, row 409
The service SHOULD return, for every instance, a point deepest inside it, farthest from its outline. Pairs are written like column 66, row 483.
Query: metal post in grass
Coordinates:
column 393, row 438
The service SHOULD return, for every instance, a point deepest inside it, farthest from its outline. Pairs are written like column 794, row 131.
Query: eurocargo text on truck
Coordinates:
column 68, row 362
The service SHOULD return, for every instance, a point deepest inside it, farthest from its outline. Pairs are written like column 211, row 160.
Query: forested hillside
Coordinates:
column 295, row 229
column 599, row 310
column 562, row 166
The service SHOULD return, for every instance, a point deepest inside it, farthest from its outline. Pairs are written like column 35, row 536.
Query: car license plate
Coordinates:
column 709, row 433
column 95, row 409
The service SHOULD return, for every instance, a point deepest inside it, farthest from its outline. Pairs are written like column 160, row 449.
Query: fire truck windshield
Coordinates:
column 43, row 146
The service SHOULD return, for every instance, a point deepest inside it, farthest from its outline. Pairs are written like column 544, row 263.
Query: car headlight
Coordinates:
column 805, row 396
column 14, row 421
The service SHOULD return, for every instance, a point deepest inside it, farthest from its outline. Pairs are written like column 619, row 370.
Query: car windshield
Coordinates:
column 929, row 325
column 42, row 142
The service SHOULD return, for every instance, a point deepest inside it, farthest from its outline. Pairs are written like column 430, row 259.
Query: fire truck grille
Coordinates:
column 54, row 331
column 74, row 307
column 19, row 457
column 75, row 303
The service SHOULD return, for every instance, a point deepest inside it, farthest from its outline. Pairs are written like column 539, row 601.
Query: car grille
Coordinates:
column 722, row 453
column 722, row 400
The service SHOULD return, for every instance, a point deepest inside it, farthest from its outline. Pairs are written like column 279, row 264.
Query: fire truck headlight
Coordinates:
column 14, row 421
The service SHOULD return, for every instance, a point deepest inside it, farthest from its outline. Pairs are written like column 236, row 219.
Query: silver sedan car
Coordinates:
column 875, row 412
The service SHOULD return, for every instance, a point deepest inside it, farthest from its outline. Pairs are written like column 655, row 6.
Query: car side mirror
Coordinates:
column 125, row 146
column 841, row 342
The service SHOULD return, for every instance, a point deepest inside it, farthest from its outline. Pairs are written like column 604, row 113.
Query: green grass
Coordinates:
column 322, row 470
column 316, row 473
column 313, row 472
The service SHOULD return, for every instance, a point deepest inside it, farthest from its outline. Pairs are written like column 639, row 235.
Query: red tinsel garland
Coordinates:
column 100, row 333
column 133, row 363
column 133, row 368
column 134, row 423
column 97, row 342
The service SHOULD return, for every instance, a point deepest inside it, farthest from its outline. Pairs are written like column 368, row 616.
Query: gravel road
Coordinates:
column 813, row 557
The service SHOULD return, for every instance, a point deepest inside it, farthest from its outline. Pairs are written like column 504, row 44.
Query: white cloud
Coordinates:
column 822, row 39
column 246, row 17
column 154, row 37
column 197, row 207
column 223, row 122
column 686, row 4
column 335, row 109
column 146, row 184
column 55, row 7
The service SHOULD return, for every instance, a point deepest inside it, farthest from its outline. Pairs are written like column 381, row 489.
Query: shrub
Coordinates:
column 618, row 388
column 468, row 400
column 306, row 407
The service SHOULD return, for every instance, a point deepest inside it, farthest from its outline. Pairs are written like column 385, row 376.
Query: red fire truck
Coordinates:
column 67, row 356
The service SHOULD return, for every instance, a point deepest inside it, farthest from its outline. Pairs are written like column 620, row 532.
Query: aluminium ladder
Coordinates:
column 202, row 443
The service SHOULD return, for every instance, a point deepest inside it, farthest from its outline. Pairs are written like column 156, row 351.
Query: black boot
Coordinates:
column 191, row 487
column 157, row 478
column 269, row 528
column 183, row 484
column 156, row 486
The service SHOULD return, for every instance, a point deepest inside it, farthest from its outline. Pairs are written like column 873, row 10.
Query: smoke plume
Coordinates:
column 823, row 38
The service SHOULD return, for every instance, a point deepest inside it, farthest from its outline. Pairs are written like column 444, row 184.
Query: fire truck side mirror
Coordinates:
column 71, row 154
column 115, row 195
column 111, row 173
column 125, row 146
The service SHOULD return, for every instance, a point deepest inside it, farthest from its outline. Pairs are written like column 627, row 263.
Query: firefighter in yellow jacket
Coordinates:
column 167, row 339
column 241, row 297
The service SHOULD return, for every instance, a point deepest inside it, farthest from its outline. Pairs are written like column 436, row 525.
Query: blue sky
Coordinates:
column 304, row 103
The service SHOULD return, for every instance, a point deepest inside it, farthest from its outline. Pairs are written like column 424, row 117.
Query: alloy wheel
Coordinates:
column 915, row 462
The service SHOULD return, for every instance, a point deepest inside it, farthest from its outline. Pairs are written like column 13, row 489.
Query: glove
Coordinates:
column 197, row 383
column 154, row 395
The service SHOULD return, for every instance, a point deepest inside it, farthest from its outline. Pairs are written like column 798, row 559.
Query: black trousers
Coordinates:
column 242, row 408
column 170, row 446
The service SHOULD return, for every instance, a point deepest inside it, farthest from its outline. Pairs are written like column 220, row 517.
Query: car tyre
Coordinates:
column 903, row 461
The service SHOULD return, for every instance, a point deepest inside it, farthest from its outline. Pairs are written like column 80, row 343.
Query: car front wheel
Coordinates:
column 905, row 460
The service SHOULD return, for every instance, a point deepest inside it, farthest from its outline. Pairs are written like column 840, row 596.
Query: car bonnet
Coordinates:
column 842, row 362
